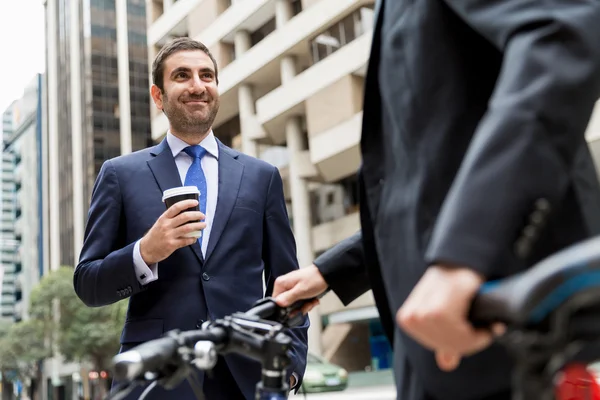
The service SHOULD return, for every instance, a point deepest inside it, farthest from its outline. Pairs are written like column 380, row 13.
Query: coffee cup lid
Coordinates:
column 178, row 191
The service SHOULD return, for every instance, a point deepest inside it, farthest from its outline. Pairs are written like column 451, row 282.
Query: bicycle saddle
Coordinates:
column 528, row 298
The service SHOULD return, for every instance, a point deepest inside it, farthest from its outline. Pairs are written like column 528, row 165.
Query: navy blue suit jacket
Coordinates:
column 250, row 232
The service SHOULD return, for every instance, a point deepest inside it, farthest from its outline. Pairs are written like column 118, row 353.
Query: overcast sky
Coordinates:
column 23, row 47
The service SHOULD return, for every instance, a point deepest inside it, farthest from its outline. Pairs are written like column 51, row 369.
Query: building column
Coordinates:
column 242, row 43
column 248, row 123
column 123, row 73
column 44, row 179
column 288, row 69
column 300, row 201
column 76, row 126
column 53, row 170
column 53, row 203
column 302, row 219
column 283, row 12
column 166, row 5
column 300, row 193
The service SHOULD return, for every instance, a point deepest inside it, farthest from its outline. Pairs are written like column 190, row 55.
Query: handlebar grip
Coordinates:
column 149, row 356
column 300, row 303
column 154, row 355
column 290, row 316
column 490, row 305
column 215, row 334
column 263, row 310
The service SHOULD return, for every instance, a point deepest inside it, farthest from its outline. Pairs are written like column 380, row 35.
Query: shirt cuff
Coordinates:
column 143, row 272
column 296, row 380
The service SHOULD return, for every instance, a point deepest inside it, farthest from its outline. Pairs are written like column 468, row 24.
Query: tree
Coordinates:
column 81, row 333
column 22, row 347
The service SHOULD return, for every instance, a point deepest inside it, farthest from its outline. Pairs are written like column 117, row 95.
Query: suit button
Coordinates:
column 205, row 276
column 543, row 205
column 530, row 232
column 199, row 324
column 522, row 248
column 537, row 218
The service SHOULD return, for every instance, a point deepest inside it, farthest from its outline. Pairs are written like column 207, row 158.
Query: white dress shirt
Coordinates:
column 210, row 166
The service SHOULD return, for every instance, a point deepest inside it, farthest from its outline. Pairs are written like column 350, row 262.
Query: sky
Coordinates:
column 22, row 49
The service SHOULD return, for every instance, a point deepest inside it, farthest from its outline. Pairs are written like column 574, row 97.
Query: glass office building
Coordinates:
column 90, row 62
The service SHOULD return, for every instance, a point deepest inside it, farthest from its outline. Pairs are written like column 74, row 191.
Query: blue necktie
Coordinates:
column 195, row 176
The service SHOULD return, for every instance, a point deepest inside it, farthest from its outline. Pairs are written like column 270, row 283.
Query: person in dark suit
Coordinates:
column 475, row 166
column 134, row 248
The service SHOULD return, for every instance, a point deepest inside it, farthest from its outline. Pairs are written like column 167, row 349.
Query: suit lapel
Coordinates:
column 230, row 177
column 371, row 124
column 165, row 172
column 163, row 167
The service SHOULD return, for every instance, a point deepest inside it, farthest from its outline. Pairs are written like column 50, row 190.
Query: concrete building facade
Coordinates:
column 291, row 76
column 9, row 245
column 23, row 142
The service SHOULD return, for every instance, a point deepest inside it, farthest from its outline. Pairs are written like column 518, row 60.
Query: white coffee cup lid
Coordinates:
column 178, row 191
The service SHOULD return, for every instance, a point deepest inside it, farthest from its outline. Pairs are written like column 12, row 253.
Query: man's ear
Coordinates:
column 157, row 94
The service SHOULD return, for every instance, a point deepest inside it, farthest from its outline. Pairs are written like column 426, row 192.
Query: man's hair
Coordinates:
column 175, row 46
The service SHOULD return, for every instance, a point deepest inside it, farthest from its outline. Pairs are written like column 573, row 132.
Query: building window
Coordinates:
column 296, row 7
column 262, row 32
column 342, row 33
column 330, row 198
column 231, row 52
column 333, row 201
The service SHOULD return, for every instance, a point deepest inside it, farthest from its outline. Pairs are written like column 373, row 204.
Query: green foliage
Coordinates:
column 22, row 345
column 58, row 316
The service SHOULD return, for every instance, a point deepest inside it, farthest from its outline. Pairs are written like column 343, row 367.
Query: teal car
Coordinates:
column 322, row 376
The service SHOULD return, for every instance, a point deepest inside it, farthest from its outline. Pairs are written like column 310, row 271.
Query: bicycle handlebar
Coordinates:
column 529, row 298
column 158, row 354
column 255, row 333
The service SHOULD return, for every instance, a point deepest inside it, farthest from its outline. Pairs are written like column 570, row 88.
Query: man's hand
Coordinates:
column 167, row 233
column 301, row 284
column 435, row 314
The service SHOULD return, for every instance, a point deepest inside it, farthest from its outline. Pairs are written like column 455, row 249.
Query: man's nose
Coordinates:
column 197, row 86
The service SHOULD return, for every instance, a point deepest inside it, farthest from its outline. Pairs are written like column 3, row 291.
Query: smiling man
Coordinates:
column 134, row 248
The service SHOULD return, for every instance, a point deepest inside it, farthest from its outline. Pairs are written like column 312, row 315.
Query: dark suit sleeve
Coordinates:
column 343, row 267
column 279, row 256
column 523, row 150
column 105, row 273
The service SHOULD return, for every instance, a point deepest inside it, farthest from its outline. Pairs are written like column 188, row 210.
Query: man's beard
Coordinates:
column 184, row 122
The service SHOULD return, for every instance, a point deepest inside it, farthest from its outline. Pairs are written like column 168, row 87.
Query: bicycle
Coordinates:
column 258, row 333
column 552, row 314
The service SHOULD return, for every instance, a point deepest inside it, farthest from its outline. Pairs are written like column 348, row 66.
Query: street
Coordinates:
column 387, row 392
